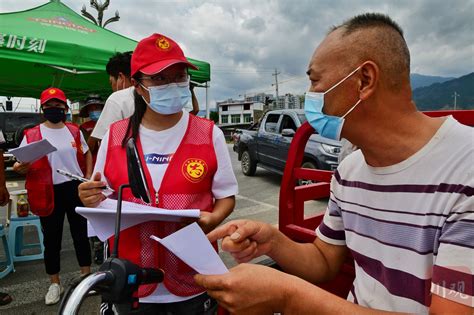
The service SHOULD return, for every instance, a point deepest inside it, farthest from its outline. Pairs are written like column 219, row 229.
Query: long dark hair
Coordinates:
column 136, row 118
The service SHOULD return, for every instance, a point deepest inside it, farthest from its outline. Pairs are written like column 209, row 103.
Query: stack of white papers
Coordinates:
column 33, row 151
column 102, row 218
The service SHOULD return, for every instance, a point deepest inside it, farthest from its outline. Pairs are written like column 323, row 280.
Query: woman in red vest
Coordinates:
column 51, row 195
column 186, row 164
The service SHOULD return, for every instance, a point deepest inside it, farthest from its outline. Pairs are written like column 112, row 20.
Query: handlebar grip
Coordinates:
column 150, row 275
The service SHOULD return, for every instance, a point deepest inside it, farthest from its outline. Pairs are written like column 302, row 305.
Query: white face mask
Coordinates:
column 168, row 99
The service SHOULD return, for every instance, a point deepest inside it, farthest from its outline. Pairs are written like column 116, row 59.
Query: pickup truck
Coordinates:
column 267, row 144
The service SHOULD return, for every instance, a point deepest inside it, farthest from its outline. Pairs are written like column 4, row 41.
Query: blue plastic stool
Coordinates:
column 15, row 238
column 8, row 263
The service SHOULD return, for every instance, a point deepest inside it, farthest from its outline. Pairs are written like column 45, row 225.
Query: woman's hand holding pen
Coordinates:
column 91, row 193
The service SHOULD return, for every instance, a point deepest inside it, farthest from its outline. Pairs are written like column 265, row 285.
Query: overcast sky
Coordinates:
column 245, row 40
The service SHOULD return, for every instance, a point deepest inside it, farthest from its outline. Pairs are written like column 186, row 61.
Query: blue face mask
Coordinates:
column 327, row 126
column 170, row 98
column 94, row 115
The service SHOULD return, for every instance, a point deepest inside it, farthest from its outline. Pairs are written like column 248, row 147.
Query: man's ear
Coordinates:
column 126, row 81
column 369, row 77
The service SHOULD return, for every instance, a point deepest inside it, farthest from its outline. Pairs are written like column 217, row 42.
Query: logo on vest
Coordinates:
column 74, row 146
column 194, row 170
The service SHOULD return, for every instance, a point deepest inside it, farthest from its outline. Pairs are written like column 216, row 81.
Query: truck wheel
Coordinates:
column 19, row 132
column 307, row 164
column 248, row 165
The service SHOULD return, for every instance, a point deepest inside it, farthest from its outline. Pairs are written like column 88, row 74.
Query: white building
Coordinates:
column 238, row 111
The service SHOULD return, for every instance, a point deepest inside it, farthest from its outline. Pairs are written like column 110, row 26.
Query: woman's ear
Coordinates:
column 137, row 86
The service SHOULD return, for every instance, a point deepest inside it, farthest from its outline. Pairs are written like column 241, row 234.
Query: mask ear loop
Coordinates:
column 342, row 80
column 146, row 89
column 352, row 108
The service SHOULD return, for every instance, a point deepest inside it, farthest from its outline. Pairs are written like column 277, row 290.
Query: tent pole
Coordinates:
column 207, row 102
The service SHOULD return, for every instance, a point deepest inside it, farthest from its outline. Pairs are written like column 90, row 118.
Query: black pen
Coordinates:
column 79, row 178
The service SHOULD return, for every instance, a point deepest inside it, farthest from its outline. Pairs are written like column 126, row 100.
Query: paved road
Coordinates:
column 257, row 200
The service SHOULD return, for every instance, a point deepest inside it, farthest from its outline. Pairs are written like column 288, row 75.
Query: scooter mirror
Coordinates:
column 136, row 176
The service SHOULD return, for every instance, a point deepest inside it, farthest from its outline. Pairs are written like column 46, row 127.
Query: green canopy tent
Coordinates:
column 51, row 45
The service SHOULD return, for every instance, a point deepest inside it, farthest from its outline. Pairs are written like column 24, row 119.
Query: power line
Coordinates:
column 235, row 67
column 299, row 77
column 240, row 72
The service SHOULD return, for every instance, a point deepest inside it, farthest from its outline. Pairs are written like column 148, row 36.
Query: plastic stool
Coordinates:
column 15, row 238
column 9, row 261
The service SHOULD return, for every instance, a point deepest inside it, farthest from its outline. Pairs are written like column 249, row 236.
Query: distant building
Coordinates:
column 233, row 112
column 260, row 98
column 288, row 101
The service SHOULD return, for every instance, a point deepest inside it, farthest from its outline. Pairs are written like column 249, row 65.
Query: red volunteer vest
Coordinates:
column 87, row 129
column 187, row 184
column 39, row 179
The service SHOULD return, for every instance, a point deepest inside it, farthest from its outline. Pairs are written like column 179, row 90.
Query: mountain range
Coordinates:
column 440, row 95
column 420, row 80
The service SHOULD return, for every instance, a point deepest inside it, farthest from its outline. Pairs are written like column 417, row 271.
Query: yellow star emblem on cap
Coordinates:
column 162, row 43
column 52, row 91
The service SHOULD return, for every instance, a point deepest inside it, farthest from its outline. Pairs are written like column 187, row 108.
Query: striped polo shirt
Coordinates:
column 409, row 226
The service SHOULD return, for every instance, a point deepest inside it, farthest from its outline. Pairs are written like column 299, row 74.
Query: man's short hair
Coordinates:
column 120, row 62
column 382, row 41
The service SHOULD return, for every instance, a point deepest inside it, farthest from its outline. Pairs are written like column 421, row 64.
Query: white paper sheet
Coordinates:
column 90, row 230
column 33, row 151
column 102, row 218
column 191, row 245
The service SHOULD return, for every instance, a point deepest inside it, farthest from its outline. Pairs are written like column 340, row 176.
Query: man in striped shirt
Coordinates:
column 402, row 205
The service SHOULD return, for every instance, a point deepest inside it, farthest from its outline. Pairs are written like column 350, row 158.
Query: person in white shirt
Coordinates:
column 187, row 166
column 119, row 104
column 51, row 195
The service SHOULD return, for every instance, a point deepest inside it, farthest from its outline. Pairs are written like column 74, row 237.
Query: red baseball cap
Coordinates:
column 156, row 53
column 52, row 93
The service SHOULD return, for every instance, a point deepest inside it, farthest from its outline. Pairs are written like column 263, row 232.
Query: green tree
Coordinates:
column 214, row 116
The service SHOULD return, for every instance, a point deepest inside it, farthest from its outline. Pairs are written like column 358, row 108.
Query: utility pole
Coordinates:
column 455, row 95
column 275, row 74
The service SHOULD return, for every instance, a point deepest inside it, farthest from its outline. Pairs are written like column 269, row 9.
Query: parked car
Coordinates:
column 13, row 124
column 266, row 145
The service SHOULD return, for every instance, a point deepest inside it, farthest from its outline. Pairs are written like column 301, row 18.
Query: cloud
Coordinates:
column 246, row 40
column 256, row 24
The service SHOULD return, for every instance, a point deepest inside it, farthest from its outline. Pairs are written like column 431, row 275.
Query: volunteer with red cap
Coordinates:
column 187, row 166
column 51, row 195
